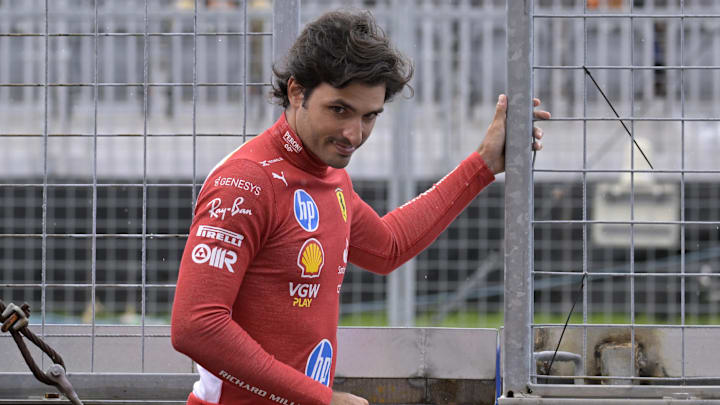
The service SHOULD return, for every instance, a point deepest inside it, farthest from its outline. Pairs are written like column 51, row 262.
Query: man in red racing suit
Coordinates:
column 277, row 221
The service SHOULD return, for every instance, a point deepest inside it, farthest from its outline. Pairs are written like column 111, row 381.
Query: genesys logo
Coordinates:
column 218, row 211
column 223, row 235
column 311, row 258
column 303, row 294
column 238, row 183
column 319, row 363
column 306, row 211
column 216, row 257
column 291, row 145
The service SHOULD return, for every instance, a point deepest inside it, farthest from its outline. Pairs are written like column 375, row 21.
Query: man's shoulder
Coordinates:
column 249, row 158
column 238, row 176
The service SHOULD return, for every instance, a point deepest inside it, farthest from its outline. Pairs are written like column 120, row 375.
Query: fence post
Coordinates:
column 401, row 283
column 518, row 200
column 286, row 27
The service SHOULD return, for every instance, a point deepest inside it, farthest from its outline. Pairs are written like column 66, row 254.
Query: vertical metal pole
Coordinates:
column 246, row 43
column 43, row 288
column 286, row 26
column 194, row 115
column 93, row 248
column 632, row 199
column 401, row 283
column 143, row 260
column 518, row 201
column 682, row 187
column 586, row 287
column 194, row 104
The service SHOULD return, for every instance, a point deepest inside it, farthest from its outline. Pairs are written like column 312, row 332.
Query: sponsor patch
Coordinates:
column 291, row 145
column 242, row 384
column 341, row 269
column 341, row 200
column 311, row 258
column 238, row 183
column 218, row 211
column 216, row 257
column 223, row 235
column 303, row 294
column 280, row 176
column 266, row 163
column 306, row 211
column 319, row 363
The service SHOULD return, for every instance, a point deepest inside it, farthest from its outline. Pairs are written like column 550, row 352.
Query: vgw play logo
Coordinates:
column 319, row 363
column 306, row 211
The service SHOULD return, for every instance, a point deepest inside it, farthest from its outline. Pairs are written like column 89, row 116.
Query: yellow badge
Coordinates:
column 341, row 201
column 311, row 258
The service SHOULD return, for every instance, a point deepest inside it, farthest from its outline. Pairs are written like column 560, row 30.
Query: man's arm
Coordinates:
column 382, row 244
column 222, row 242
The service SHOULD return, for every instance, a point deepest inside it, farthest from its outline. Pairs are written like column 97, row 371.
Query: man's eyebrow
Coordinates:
column 347, row 106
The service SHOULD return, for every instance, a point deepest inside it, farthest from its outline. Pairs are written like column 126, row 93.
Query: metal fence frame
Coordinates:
column 454, row 46
column 521, row 381
column 286, row 16
column 519, row 218
column 164, row 376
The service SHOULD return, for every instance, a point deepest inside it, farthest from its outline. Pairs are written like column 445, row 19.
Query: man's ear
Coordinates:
column 296, row 93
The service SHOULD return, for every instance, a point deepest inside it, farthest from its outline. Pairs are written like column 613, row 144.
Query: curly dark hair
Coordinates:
column 338, row 48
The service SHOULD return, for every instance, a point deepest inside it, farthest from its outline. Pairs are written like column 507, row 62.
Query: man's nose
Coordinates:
column 353, row 132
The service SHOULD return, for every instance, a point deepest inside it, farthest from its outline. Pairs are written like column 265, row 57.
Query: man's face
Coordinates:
column 333, row 123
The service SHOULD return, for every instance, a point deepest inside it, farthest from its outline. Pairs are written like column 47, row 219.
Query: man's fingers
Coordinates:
column 537, row 133
column 541, row 115
column 501, row 108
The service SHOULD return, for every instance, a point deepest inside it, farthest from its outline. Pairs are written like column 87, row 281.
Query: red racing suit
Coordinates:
column 256, row 304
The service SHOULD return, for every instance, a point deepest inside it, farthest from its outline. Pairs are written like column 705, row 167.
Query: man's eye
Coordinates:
column 338, row 109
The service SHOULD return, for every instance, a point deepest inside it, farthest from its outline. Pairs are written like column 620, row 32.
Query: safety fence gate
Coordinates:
column 590, row 355
column 59, row 112
column 111, row 114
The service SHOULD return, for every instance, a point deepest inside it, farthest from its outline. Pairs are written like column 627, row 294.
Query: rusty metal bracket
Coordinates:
column 575, row 358
column 14, row 319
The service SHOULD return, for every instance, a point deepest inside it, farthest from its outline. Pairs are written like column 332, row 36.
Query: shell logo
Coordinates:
column 311, row 258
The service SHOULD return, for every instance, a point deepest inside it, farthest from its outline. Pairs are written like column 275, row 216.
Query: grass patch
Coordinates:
column 495, row 320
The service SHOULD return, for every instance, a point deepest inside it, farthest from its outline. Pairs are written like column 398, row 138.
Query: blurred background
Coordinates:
column 97, row 187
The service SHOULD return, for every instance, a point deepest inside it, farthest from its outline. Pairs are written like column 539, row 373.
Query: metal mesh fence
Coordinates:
column 113, row 112
column 628, row 239
column 145, row 163
column 110, row 131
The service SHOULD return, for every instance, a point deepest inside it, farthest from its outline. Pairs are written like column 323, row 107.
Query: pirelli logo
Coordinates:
column 223, row 235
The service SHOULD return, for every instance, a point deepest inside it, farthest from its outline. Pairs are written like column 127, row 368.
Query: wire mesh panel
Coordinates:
column 123, row 168
column 620, row 252
column 112, row 115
